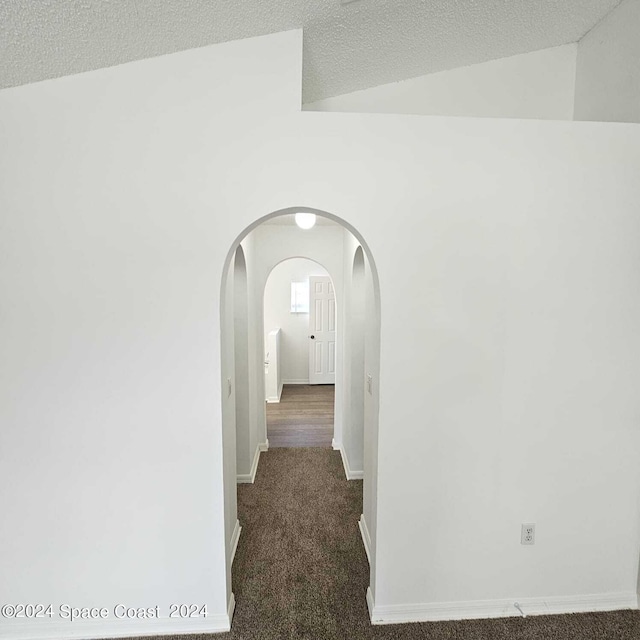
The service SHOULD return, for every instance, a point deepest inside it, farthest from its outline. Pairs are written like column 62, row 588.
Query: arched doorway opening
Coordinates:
column 301, row 306
column 358, row 356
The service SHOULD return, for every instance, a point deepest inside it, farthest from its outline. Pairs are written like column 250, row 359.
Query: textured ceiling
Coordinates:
column 346, row 47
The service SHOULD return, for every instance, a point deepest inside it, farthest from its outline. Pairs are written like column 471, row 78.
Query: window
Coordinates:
column 300, row 297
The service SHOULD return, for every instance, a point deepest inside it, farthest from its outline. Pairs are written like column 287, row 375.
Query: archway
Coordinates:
column 366, row 272
column 291, row 354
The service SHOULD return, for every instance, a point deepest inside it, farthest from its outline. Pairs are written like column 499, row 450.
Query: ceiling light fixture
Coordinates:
column 305, row 220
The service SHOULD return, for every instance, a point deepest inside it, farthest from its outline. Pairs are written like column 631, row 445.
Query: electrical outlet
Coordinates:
column 528, row 534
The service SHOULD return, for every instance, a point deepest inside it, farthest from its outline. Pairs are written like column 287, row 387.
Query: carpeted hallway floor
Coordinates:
column 300, row 565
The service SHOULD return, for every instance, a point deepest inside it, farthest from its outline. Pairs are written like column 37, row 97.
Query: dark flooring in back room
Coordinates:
column 301, row 572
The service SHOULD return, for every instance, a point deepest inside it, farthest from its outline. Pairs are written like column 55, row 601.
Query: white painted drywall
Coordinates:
column 508, row 265
column 245, row 448
column 531, row 85
column 353, row 357
column 294, row 345
column 608, row 68
column 272, row 368
column 480, row 255
column 229, row 436
column 357, row 368
column 111, row 448
column 257, row 426
column 372, row 371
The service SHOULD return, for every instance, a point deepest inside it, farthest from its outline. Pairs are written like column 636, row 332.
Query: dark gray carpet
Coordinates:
column 301, row 571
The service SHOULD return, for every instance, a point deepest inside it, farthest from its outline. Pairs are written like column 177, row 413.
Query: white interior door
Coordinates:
column 322, row 331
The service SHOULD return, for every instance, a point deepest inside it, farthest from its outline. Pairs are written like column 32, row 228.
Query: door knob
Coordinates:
column 312, row 337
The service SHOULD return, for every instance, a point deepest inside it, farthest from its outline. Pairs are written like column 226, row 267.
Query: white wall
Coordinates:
column 531, row 85
column 258, row 440
column 507, row 258
column 231, row 441
column 111, row 456
column 476, row 261
column 608, row 68
column 240, row 379
column 353, row 357
column 372, row 347
column 272, row 369
column 360, row 356
column 294, row 345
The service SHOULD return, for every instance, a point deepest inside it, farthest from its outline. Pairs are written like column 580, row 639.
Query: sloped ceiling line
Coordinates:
column 347, row 47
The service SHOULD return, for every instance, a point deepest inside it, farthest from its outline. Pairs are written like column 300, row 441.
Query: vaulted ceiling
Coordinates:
column 348, row 45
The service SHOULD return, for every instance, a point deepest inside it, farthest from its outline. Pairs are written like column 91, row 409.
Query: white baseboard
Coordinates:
column 248, row 478
column 113, row 627
column 366, row 537
column 348, row 471
column 275, row 399
column 235, row 538
column 370, row 604
column 296, row 381
column 230, row 609
column 428, row 612
column 335, row 445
